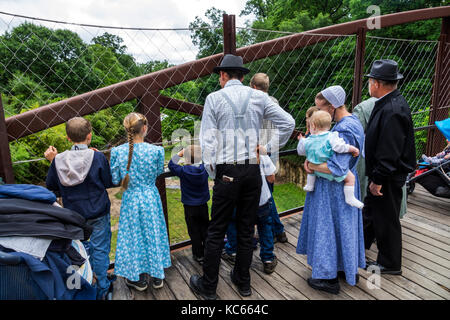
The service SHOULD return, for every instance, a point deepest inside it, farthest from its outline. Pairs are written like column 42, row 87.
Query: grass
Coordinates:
column 287, row 196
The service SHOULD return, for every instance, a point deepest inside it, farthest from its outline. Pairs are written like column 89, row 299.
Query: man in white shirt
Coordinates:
column 229, row 135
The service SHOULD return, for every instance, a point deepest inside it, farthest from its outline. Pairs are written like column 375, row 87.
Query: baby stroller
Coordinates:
column 435, row 178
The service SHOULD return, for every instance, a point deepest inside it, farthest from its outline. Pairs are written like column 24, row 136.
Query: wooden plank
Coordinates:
column 224, row 291
column 425, row 239
column 425, row 246
column 390, row 291
column 422, row 230
column 430, row 208
column 297, row 274
column 434, row 217
column 429, row 202
column 180, row 279
column 428, row 255
column 425, row 262
column 121, row 291
column 279, row 284
column 406, row 281
column 224, row 272
column 425, row 224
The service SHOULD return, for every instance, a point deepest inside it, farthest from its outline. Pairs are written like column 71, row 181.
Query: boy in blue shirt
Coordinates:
column 194, row 196
column 82, row 175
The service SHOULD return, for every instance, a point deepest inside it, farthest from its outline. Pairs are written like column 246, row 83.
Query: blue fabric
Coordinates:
column 89, row 198
column 444, row 127
column 194, row 183
column 277, row 225
column 28, row 192
column 51, row 275
column 142, row 242
column 331, row 232
column 99, row 248
column 264, row 224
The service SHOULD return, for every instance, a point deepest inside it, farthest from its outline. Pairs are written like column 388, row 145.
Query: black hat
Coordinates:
column 385, row 69
column 231, row 62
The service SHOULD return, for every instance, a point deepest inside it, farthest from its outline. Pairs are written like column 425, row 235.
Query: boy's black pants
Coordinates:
column 197, row 220
column 243, row 194
column 381, row 220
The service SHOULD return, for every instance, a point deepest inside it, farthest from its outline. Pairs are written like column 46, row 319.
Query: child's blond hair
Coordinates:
column 260, row 81
column 321, row 120
column 77, row 129
column 310, row 111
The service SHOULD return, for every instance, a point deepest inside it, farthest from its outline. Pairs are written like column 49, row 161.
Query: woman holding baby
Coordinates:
column 331, row 233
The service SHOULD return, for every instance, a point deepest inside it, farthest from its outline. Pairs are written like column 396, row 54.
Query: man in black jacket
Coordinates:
column 390, row 156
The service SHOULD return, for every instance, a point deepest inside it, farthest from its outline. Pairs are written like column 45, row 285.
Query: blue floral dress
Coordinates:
column 142, row 242
column 331, row 232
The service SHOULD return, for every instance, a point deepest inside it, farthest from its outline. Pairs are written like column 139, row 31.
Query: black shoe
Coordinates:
column 157, row 283
column 383, row 269
column 269, row 266
column 243, row 290
column 330, row 286
column 195, row 283
column 341, row 274
column 231, row 258
column 140, row 285
column 200, row 260
column 281, row 237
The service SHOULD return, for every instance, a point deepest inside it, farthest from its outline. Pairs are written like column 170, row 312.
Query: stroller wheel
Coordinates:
column 410, row 187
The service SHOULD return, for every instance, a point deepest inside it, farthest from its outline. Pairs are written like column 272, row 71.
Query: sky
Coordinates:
column 176, row 47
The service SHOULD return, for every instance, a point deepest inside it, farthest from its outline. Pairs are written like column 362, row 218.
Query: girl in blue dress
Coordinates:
column 142, row 242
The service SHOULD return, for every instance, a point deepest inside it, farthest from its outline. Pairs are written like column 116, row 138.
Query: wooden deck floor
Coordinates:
column 426, row 265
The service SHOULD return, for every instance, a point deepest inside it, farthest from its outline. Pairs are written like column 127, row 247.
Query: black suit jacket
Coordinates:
column 390, row 149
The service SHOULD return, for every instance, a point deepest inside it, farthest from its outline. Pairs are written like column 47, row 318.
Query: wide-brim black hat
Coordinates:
column 231, row 62
column 385, row 69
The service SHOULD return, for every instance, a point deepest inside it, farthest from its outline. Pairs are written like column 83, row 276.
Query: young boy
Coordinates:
column 194, row 196
column 260, row 81
column 82, row 175
column 319, row 147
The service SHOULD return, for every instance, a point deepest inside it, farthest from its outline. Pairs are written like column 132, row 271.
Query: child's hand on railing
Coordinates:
column 50, row 153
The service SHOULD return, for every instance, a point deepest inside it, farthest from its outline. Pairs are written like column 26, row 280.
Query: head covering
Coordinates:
column 334, row 95
column 231, row 62
column 385, row 69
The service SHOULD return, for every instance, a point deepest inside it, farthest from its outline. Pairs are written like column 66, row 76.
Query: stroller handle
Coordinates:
column 9, row 259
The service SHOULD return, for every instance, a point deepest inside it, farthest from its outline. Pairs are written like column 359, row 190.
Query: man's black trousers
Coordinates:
column 197, row 219
column 382, row 222
column 243, row 194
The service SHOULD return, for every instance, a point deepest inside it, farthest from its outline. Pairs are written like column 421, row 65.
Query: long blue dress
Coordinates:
column 142, row 242
column 331, row 232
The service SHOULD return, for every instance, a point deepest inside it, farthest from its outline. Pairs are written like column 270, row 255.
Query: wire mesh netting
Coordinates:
column 42, row 62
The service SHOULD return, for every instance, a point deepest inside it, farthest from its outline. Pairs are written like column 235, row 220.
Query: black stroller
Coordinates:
column 434, row 178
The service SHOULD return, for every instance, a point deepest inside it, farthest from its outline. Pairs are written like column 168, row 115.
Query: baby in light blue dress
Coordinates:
column 319, row 147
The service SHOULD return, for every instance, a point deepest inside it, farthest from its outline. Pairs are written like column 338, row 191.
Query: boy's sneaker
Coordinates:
column 140, row 285
column 231, row 258
column 269, row 266
column 157, row 283
column 281, row 237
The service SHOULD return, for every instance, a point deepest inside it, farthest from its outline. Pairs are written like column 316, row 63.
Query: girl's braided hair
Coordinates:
column 133, row 124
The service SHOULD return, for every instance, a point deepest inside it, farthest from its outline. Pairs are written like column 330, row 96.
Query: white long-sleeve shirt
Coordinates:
column 217, row 130
column 267, row 168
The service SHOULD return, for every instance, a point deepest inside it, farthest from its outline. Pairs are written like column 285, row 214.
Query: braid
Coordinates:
column 133, row 124
column 126, row 180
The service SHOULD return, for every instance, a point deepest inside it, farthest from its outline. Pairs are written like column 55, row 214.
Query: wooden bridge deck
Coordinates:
column 426, row 265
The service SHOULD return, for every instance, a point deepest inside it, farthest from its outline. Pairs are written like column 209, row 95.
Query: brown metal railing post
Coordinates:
column 440, row 100
column 6, row 169
column 229, row 34
column 149, row 106
column 359, row 66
